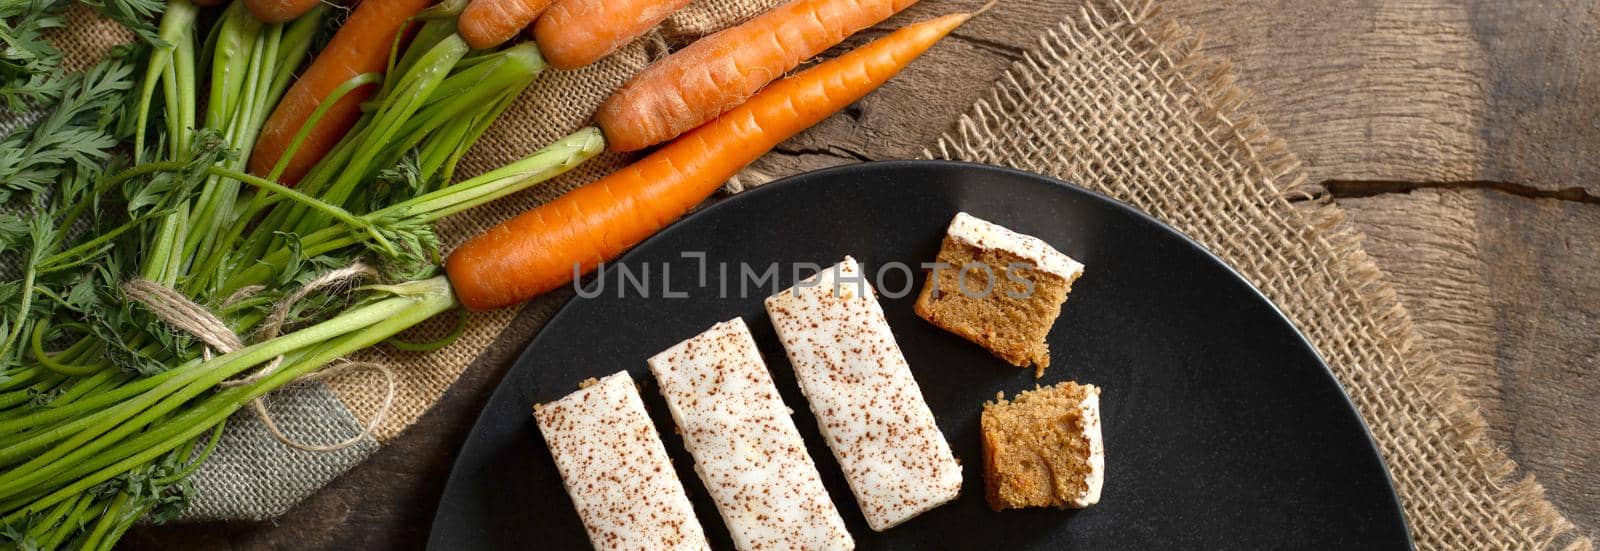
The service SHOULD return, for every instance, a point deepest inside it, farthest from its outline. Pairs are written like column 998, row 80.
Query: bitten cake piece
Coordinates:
column 746, row 448
column 1043, row 448
column 615, row 469
column 867, row 404
column 1001, row 289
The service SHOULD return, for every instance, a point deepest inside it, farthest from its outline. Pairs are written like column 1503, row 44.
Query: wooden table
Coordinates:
column 1462, row 137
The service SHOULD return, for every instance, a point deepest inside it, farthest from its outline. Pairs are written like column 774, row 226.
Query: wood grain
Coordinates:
column 1541, row 260
column 1363, row 90
column 1421, row 90
column 1504, row 289
column 1380, row 96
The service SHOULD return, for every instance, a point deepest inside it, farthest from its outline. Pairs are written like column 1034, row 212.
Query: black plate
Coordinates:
column 1223, row 428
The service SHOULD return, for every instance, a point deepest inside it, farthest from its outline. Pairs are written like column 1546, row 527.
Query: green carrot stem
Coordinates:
column 415, row 86
column 481, row 125
column 434, row 155
column 553, row 160
column 19, row 376
column 174, row 267
column 107, row 518
column 441, row 342
column 174, row 112
column 160, row 248
column 89, row 404
column 245, row 304
column 140, row 170
column 343, row 216
column 234, row 43
column 137, row 413
column 43, row 524
column 183, row 69
column 51, row 361
column 24, row 304
column 427, row 36
column 243, row 220
column 462, row 96
column 235, row 66
column 176, row 19
column 334, row 163
column 123, row 523
column 281, row 51
column 72, row 523
column 430, row 297
column 31, row 441
column 268, row 267
column 81, row 252
column 547, row 163
column 86, row 385
column 339, row 214
column 194, row 465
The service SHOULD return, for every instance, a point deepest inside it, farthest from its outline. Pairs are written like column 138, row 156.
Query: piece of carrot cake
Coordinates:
column 998, row 288
column 615, row 469
column 745, row 446
column 867, row 404
column 1043, row 448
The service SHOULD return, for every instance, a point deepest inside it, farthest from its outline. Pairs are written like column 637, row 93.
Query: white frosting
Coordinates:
column 1089, row 410
column 867, row 404
column 745, row 446
column 616, row 470
column 988, row 235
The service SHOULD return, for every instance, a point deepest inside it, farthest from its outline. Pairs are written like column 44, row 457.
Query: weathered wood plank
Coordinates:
column 1540, row 258
column 1393, row 90
column 1421, row 90
column 1503, row 288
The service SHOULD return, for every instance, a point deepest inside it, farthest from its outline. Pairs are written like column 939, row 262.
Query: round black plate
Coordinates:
column 1223, row 428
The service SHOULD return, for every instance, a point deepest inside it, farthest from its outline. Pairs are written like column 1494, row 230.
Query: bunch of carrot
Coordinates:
column 356, row 161
column 536, row 251
column 716, row 90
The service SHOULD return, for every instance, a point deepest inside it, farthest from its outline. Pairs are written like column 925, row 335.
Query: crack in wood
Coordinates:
column 1342, row 189
column 835, row 151
column 1007, row 51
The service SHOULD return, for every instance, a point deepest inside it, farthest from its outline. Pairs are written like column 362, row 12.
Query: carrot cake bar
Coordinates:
column 616, row 470
column 998, row 288
column 866, row 402
column 745, row 446
column 1043, row 448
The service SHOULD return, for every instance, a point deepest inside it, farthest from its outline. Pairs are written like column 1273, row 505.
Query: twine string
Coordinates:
column 183, row 314
column 329, row 372
column 334, row 281
column 177, row 311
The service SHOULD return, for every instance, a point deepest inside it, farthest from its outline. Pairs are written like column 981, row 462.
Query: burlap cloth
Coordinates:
column 1115, row 98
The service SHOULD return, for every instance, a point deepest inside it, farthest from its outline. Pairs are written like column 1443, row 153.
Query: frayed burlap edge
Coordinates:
column 1437, row 518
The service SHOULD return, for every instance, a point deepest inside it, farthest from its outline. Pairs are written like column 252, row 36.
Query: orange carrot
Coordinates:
column 541, row 249
column 279, row 11
column 489, row 23
column 710, row 76
column 361, row 46
column 574, row 33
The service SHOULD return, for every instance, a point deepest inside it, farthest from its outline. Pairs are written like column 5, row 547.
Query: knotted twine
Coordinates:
column 183, row 314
